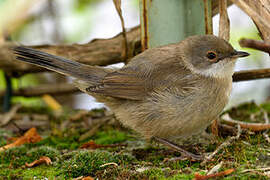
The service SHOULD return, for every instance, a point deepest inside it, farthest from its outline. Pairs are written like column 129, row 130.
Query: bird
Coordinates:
column 164, row 93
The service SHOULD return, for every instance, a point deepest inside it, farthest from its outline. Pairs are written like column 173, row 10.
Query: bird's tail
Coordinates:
column 89, row 74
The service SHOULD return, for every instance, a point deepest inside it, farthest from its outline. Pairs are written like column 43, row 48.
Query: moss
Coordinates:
column 154, row 173
column 50, row 152
column 14, row 157
column 39, row 172
column 3, row 135
column 18, row 156
column 70, row 142
column 244, row 111
column 85, row 162
column 249, row 152
column 110, row 137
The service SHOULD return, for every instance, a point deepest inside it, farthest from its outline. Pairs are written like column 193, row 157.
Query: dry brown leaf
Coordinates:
column 219, row 174
column 42, row 160
column 31, row 136
column 224, row 22
column 84, row 178
column 87, row 178
column 93, row 145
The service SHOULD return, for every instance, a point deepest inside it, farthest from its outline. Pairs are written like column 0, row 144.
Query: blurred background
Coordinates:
column 80, row 21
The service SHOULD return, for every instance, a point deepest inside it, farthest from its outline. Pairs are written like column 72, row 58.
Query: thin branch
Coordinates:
column 58, row 89
column 255, row 44
column 223, row 145
column 97, row 52
column 265, row 133
column 226, row 119
column 6, row 118
column 117, row 4
column 246, row 75
column 224, row 22
column 215, row 6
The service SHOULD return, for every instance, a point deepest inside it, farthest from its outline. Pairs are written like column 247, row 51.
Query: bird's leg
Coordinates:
column 179, row 149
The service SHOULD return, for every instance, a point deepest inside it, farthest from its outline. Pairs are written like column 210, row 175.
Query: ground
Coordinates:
column 127, row 156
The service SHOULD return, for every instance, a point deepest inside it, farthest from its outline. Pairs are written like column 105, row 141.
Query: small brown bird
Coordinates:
column 165, row 93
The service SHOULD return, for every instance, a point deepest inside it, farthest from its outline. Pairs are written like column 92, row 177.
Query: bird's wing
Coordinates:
column 140, row 78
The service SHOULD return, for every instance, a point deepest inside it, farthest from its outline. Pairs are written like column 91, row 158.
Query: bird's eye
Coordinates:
column 211, row 55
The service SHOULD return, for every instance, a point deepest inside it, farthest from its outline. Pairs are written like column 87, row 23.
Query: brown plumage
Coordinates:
column 168, row 92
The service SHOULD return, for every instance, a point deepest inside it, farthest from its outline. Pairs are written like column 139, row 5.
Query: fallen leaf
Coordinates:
column 84, row 178
column 219, row 174
column 31, row 136
column 93, row 145
column 88, row 178
column 42, row 160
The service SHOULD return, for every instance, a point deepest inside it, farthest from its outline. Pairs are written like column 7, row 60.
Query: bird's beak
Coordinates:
column 238, row 54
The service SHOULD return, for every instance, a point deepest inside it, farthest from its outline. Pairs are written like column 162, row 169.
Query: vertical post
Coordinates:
column 164, row 22
column 8, row 94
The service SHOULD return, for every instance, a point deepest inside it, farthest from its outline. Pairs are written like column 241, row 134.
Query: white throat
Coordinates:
column 222, row 69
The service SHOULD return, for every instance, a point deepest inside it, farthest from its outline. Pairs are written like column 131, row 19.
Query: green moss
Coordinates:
column 18, row 156
column 248, row 152
column 39, row 172
column 110, row 137
column 244, row 111
column 85, row 162
column 70, row 142
column 154, row 173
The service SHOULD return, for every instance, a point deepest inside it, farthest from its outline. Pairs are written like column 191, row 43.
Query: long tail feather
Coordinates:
column 61, row 65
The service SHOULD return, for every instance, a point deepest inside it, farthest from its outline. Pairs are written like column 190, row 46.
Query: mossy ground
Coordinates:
column 137, row 160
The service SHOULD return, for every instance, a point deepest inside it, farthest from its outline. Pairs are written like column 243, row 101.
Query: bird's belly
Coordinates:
column 171, row 119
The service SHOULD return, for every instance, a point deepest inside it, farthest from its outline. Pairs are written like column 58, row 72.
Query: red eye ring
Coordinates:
column 211, row 55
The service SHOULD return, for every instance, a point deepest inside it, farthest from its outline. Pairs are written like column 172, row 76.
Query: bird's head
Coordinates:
column 210, row 56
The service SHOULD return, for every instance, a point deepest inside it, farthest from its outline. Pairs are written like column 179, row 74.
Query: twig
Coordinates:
column 255, row 44
column 215, row 6
column 224, row 22
column 215, row 168
column 251, row 75
column 58, row 89
column 265, row 133
column 5, row 118
column 108, row 164
column 223, row 145
column 214, row 127
column 260, row 171
column 97, row 52
column 245, row 125
column 117, row 4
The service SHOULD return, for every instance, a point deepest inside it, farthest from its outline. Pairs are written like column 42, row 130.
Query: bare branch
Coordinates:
column 58, row 89
column 226, row 119
column 97, row 52
column 224, row 22
column 246, row 75
column 255, row 44
column 117, row 4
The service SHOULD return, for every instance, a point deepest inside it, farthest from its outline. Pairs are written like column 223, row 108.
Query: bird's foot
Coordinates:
column 184, row 154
